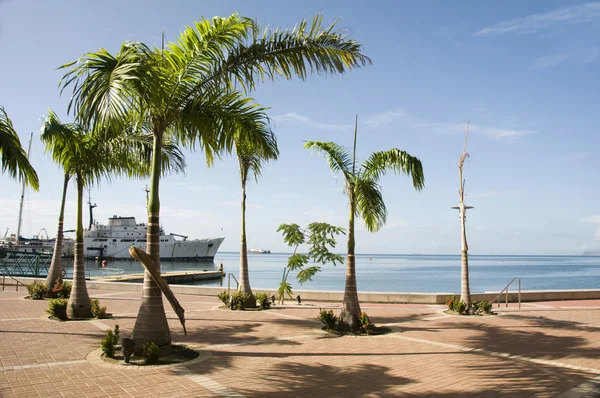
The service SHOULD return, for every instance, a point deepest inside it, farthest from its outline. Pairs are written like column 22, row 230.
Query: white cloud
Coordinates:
column 401, row 117
column 296, row 117
column 594, row 220
column 549, row 61
column 537, row 22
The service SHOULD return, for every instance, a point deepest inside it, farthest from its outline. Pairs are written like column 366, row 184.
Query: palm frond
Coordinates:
column 400, row 162
column 369, row 203
column 13, row 157
column 339, row 159
column 310, row 47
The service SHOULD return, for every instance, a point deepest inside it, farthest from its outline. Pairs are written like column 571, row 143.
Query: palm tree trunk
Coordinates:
column 465, row 290
column 351, row 305
column 55, row 271
column 151, row 323
column 79, row 303
column 244, row 275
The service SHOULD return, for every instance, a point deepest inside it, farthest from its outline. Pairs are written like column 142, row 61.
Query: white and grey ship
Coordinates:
column 113, row 239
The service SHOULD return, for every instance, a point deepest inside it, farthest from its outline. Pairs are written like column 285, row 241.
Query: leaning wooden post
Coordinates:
column 465, row 291
column 149, row 265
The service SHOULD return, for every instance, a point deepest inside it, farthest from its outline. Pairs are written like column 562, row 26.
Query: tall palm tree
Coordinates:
column 251, row 158
column 14, row 160
column 91, row 157
column 465, row 290
column 365, row 200
column 188, row 89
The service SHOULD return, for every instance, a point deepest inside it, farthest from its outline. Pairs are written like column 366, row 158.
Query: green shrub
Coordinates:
column 151, row 352
column 116, row 333
column 476, row 306
column 450, row 300
column 62, row 290
column 58, row 308
column 459, row 306
column 224, row 297
column 263, row 300
column 37, row 290
column 239, row 299
column 485, row 306
column 328, row 318
column 97, row 311
column 364, row 322
column 108, row 344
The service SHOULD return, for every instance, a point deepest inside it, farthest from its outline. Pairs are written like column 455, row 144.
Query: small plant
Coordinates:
column 97, row 311
column 450, row 302
column 238, row 299
column 151, row 353
column 116, row 333
column 476, row 306
column 37, row 290
column 365, row 323
column 58, row 308
column 328, row 318
column 224, row 297
column 263, row 300
column 459, row 306
column 62, row 290
column 108, row 344
column 485, row 306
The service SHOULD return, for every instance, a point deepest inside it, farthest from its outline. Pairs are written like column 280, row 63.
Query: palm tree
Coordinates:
column 250, row 158
column 465, row 290
column 188, row 89
column 365, row 200
column 14, row 159
column 91, row 157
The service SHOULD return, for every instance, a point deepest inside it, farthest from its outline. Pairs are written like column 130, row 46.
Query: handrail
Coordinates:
column 14, row 279
column 506, row 295
column 229, row 287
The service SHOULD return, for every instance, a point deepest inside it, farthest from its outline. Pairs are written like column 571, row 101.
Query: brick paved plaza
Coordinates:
column 543, row 349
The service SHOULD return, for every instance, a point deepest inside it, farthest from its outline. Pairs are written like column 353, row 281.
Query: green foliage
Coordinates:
column 37, row 290
column 484, row 307
column 62, row 290
column 151, row 353
column 459, row 306
column 239, row 300
column 58, row 308
column 321, row 240
column 108, row 344
column 13, row 158
column 450, row 302
column 263, row 300
column 97, row 310
column 116, row 334
column 328, row 318
column 365, row 323
column 224, row 297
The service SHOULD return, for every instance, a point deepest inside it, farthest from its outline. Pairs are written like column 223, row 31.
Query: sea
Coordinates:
column 402, row 273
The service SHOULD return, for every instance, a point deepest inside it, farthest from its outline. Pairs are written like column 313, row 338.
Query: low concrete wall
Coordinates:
column 365, row 297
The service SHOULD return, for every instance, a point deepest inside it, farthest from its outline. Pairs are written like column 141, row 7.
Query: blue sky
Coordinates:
column 526, row 73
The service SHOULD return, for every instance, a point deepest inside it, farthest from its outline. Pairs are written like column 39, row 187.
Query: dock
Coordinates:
column 176, row 277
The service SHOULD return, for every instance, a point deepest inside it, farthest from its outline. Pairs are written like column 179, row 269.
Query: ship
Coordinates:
column 260, row 251
column 113, row 239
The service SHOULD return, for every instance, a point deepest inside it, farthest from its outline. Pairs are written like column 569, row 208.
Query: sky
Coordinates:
column 525, row 73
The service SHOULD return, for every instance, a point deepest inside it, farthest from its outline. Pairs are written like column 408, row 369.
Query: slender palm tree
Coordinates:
column 465, row 290
column 14, row 160
column 91, row 157
column 188, row 89
column 365, row 200
column 251, row 158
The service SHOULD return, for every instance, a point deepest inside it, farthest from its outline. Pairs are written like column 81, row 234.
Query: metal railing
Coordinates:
column 505, row 290
column 14, row 279
column 19, row 263
column 237, row 285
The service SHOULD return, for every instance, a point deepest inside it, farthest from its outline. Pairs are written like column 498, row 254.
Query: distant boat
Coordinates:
column 260, row 251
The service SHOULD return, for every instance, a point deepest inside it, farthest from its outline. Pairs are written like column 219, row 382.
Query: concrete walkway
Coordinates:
column 543, row 349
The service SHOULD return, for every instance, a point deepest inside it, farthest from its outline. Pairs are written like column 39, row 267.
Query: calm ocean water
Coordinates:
column 408, row 273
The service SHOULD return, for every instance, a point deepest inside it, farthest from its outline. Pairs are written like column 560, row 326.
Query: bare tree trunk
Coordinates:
column 79, row 303
column 55, row 271
column 465, row 290
column 151, row 323
column 351, row 305
column 244, row 275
